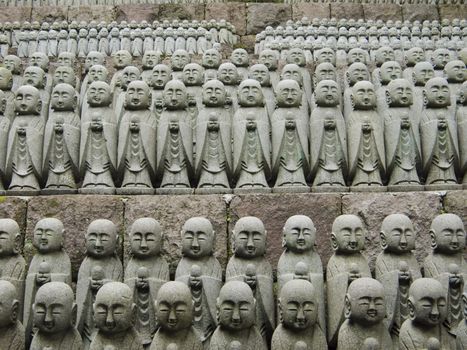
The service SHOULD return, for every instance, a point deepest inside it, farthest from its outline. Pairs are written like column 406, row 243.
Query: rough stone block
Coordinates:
column 89, row 13
column 420, row 12
column 456, row 202
column 248, row 42
column 14, row 208
column 259, row 16
column 233, row 12
column 76, row 212
column 452, row 11
column 342, row 10
column 136, row 13
column 382, row 11
column 49, row 13
column 172, row 212
column 275, row 209
column 372, row 208
column 310, row 10
column 181, row 12
column 15, row 13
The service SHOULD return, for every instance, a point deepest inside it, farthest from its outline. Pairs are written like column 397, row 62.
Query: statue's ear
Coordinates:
column 279, row 306
column 388, row 97
column 232, row 242
column 3, row 105
column 384, row 243
column 414, row 80
column 411, row 307
column 14, row 311
column 425, row 99
column 352, row 101
column 75, row 101
column 283, row 238
column 218, row 306
column 74, row 314
column 39, row 107
column 10, row 83
column 347, row 76
column 17, row 244
column 434, row 245
column 347, row 306
column 44, row 80
column 334, row 241
column 150, row 99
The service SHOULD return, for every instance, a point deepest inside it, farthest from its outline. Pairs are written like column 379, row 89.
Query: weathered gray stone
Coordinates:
column 88, row 13
column 172, row 212
column 248, row 42
column 49, row 13
column 419, row 12
column 76, row 213
column 275, row 209
column 310, row 10
column 455, row 202
column 382, row 11
column 233, row 12
column 181, row 11
column 452, row 11
column 14, row 208
column 340, row 10
column 259, row 16
column 372, row 208
column 136, row 13
column 16, row 13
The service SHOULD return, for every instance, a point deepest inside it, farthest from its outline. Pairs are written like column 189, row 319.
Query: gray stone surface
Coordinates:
column 181, row 12
column 452, row 11
column 310, row 10
column 340, row 10
column 259, row 16
column 88, row 13
column 233, row 12
column 49, row 13
column 18, row 13
column 419, row 12
column 382, row 11
column 372, row 208
column 136, row 13
column 14, row 208
column 455, row 202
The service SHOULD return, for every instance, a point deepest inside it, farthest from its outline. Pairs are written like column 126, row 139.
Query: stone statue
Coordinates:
column 260, row 73
column 65, row 75
column 11, row 329
column 422, row 72
column 228, row 75
column 447, row 264
column 36, row 77
column 113, row 313
column 461, row 332
column 13, row 64
column 292, row 71
column 236, row 316
column 325, row 54
column 6, row 86
column 129, row 74
column 364, row 313
column 241, row 60
column 412, row 56
column 355, row 73
column 298, row 241
column 145, row 273
column 455, row 73
column 98, row 145
column 211, row 61
column 396, row 268
column 174, row 312
column 100, row 266
column 213, row 163
column 382, row 54
column 54, row 310
column 136, row 155
column 427, row 310
column 193, row 78
column 202, row 273
column 402, row 138
column 365, row 140
column 179, row 60
column 24, row 152
column 345, row 265
column 299, row 327
column 440, row 150
column 121, row 59
column 150, row 59
column 328, row 139
column 61, row 142
column 290, row 159
column 439, row 58
column 50, row 264
column 251, row 144
column 175, row 142
column 461, row 117
column 297, row 56
column 388, row 72
column 161, row 74
column 96, row 72
column 271, row 60
column 250, row 265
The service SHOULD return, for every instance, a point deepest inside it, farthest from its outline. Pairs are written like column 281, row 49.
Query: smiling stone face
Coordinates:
column 364, row 96
column 197, row 238
column 175, row 95
column 299, row 234
column 298, row 305
column 211, row 59
column 214, row 94
column 427, row 302
column 63, row 98
column 161, row 74
column 397, row 234
column 437, row 93
column 236, row 306
column 348, row 236
column 448, row 234
column 249, row 238
column 260, row 73
column 145, row 238
column 250, row 94
column 174, row 307
column 327, row 93
column 400, row 93
column 193, row 75
column 101, row 238
column 288, row 94
column 99, row 95
column 48, row 235
column 365, row 302
column 138, row 96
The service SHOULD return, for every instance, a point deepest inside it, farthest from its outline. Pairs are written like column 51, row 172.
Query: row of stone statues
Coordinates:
column 397, row 310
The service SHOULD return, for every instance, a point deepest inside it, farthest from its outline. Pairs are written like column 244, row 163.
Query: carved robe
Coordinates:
column 13, row 270
column 12, row 337
column 169, row 45
column 285, row 339
column 128, row 340
column 186, row 339
column 71, row 340
column 461, row 117
column 250, row 339
column 413, row 338
column 103, row 46
column 114, row 45
column 191, row 45
column 352, row 336
column 461, row 336
column 137, row 47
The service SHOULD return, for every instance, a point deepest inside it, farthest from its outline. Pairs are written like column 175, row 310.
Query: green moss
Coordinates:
column 2, row 199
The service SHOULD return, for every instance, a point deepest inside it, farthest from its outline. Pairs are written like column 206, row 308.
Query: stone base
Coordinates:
column 54, row 191
column 213, row 190
column 23, row 192
column 252, row 190
column 135, row 190
column 334, row 189
column 443, row 187
column 368, row 189
column 97, row 190
column 405, row 188
column 291, row 189
column 174, row 190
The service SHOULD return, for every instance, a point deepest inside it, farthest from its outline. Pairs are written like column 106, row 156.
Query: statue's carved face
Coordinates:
column 175, row 95
column 138, row 96
column 174, row 309
column 367, row 305
column 27, row 100
column 441, row 57
column 53, row 310
column 449, row 235
column 160, row 76
column 437, row 93
column 236, row 311
column 99, row 94
column 97, row 73
column 390, row 71
column 34, row 76
column 423, row 72
column 214, row 93
column 269, row 59
column 415, row 55
column 250, row 94
column 228, row 74
column 297, row 57
column 193, row 75
column 113, row 311
column 325, row 71
column 146, row 239
column 399, row 234
column 7, row 240
column 130, row 74
column 261, row 74
column 121, row 59
column 299, row 311
column 39, row 60
column 384, row 54
column 288, row 94
column 326, row 55
column 6, row 79
column 150, row 59
column 356, row 55
column 12, row 63
column 400, row 93
column 48, row 236
column 101, row 239
column 65, row 59
column 239, row 57
column 180, row 59
column 63, row 98
column 429, row 305
column 211, row 59
column 94, row 58
column 292, row 72
column 357, row 72
column 456, row 71
column 64, row 74
column 249, row 238
column 197, row 239
column 299, row 234
column 327, row 93
column 349, row 235
column 364, row 95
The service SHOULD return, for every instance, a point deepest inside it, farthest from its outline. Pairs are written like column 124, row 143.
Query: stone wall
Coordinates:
column 77, row 211
column 248, row 18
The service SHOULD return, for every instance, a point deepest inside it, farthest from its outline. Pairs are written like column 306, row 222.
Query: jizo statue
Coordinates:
column 11, row 329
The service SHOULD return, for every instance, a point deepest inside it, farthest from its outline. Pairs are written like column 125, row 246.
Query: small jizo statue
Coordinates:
column 251, row 143
column 364, row 312
column 250, row 265
column 113, row 313
column 427, row 310
column 50, row 264
column 61, row 142
column 174, row 313
column 213, row 163
column 438, row 127
column 237, row 317
column 175, row 142
column 461, row 117
column 328, row 139
column 290, row 160
column 25, row 140
column 100, row 266
column 13, row 265
column 145, row 273
column 300, row 260
column 446, row 263
column 345, row 265
column 298, row 305
column 54, row 313
column 367, row 162
column 402, row 138
column 396, row 268
column 11, row 329
column 461, row 332
column 201, row 272
column 136, row 156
